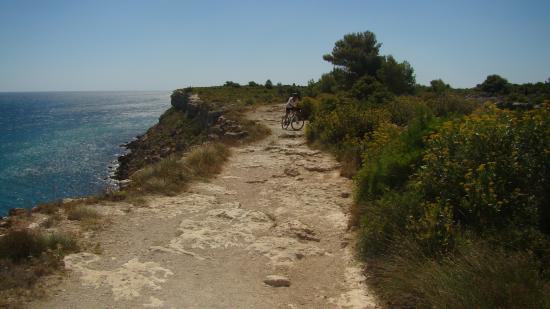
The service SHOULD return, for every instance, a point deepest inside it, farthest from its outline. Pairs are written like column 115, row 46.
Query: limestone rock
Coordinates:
column 277, row 281
column 236, row 135
column 292, row 172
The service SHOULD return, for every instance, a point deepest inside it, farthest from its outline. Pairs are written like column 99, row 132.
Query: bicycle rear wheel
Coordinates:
column 296, row 123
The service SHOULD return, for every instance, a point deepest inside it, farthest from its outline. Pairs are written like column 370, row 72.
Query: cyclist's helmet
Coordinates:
column 294, row 94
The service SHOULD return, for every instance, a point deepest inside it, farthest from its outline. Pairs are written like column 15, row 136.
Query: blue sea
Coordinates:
column 55, row 145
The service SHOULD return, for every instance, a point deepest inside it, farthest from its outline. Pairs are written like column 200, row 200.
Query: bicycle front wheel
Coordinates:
column 296, row 123
column 284, row 122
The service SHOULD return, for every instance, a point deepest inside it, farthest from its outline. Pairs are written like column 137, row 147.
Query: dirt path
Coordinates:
column 278, row 208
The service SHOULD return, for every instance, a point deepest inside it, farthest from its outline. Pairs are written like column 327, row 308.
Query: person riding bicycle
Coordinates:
column 292, row 117
column 292, row 103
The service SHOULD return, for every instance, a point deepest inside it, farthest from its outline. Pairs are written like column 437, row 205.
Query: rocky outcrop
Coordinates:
column 195, row 108
column 226, row 128
column 189, row 122
column 182, row 126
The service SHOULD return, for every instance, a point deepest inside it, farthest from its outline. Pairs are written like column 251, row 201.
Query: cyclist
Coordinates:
column 292, row 103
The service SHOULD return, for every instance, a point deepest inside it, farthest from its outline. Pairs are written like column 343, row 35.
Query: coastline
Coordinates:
column 62, row 144
column 163, row 139
column 68, row 225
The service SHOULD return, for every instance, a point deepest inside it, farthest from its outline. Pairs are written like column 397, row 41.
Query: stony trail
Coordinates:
column 277, row 214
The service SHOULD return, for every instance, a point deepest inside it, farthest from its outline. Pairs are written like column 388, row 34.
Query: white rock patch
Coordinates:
column 126, row 282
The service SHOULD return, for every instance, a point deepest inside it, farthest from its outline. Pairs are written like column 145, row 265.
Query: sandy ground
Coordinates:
column 278, row 208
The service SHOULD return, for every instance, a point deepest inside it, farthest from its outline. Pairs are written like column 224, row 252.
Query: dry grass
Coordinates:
column 88, row 217
column 137, row 201
column 165, row 177
column 82, row 213
column 475, row 276
column 25, row 256
column 171, row 175
column 21, row 245
column 49, row 208
column 114, row 196
column 206, row 160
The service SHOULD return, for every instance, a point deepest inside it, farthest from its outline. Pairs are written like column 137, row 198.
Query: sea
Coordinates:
column 55, row 145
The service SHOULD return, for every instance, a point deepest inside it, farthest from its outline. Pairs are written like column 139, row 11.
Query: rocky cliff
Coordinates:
column 190, row 121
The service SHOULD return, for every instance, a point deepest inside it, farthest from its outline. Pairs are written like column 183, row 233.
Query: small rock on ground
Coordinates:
column 277, row 281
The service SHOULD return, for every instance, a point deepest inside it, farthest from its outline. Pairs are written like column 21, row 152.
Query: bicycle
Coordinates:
column 292, row 119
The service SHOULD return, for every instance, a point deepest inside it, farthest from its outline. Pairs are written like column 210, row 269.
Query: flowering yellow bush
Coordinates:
column 487, row 172
column 344, row 125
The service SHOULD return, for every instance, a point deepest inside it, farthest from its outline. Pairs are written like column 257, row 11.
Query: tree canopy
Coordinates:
column 357, row 54
column 359, row 66
column 439, row 86
column 397, row 77
column 495, row 84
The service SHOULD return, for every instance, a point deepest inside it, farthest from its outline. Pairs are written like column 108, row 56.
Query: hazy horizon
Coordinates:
column 147, row 46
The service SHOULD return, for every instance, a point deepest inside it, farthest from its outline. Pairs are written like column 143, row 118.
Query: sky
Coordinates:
column 163, row 45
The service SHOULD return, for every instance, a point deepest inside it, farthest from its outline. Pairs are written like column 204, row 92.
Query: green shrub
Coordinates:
column 368, row 86
column 385, row 220
column 403, row 109
column 344, row 126
column 223, row 96
column 308, row 107
column 392, row 155
column 447, row 104
column 340, row 121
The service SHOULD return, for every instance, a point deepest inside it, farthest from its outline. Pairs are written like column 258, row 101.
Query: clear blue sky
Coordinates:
column 150, row 45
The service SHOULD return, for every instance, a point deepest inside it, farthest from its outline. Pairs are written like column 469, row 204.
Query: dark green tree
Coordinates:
column 268, row 84
column 397, row 77
column 495, row 84
column 367, row 86
column 311, row 89
column 327, row 83
column 357, row 54
column 439, row 86
column 231, row 84
column 252, row 84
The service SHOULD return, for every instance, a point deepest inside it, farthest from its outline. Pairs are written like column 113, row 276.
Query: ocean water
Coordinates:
column 64, row 144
